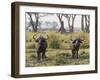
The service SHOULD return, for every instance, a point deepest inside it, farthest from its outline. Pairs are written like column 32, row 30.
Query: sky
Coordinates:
column 54, row 18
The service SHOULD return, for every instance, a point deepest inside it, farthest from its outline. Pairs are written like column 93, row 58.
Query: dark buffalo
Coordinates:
column 42, row 46
column 75, row 47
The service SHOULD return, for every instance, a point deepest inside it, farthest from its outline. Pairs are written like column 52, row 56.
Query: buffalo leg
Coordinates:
column 77, row 54
column 43, row 54
column 38, row 55
column 73, row 53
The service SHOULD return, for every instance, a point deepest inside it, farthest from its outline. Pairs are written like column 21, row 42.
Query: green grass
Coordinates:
column 58, row 40
column 57, row 57
column 58, row 51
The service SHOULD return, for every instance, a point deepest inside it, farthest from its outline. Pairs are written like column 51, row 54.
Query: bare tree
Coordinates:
column 62, row 29
column 71, row 18
column 87, row 22
column 35, row 24
column 37, row 21
column 82, row 24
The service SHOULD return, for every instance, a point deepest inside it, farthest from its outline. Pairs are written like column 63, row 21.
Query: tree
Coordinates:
column 82, row 24
column 85, row 23
column 37, row 21
column 62, row 29
column 35, row 24
column 71, row 18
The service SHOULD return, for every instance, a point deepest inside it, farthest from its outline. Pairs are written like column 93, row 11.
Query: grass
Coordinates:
column 58, row 51
column 57, row 57
column 58, row 40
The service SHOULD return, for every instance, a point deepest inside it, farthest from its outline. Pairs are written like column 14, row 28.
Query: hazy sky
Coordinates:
column 53, row 17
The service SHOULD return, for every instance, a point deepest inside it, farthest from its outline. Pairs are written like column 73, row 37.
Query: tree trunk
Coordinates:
column 69, row 17
column 34, row 24
column 71, row 28
column 82, row 24
column 37, row 22
column 62, row 29
column 31, row 21
column 87, row 23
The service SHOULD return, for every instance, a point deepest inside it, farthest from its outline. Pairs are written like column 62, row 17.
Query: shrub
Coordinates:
column 57, row 40
column 61, row 58
column 31, row 46
column 84, row 55
column 84, row 45
column 32, row 56
column 30, row 40
column 54, row 41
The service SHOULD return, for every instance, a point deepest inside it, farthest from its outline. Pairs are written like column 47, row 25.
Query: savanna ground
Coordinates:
column 59, row 49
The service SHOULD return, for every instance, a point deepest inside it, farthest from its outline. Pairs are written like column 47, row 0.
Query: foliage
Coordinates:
column 54, row 41
column 59, row 49
column 61, row 58
column 84, row 55
column 30, row 45
column 59, row 40
column 57, row 57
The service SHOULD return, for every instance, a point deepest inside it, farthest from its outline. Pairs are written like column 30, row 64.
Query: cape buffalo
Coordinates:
column 75, row 47
column 42, row 45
